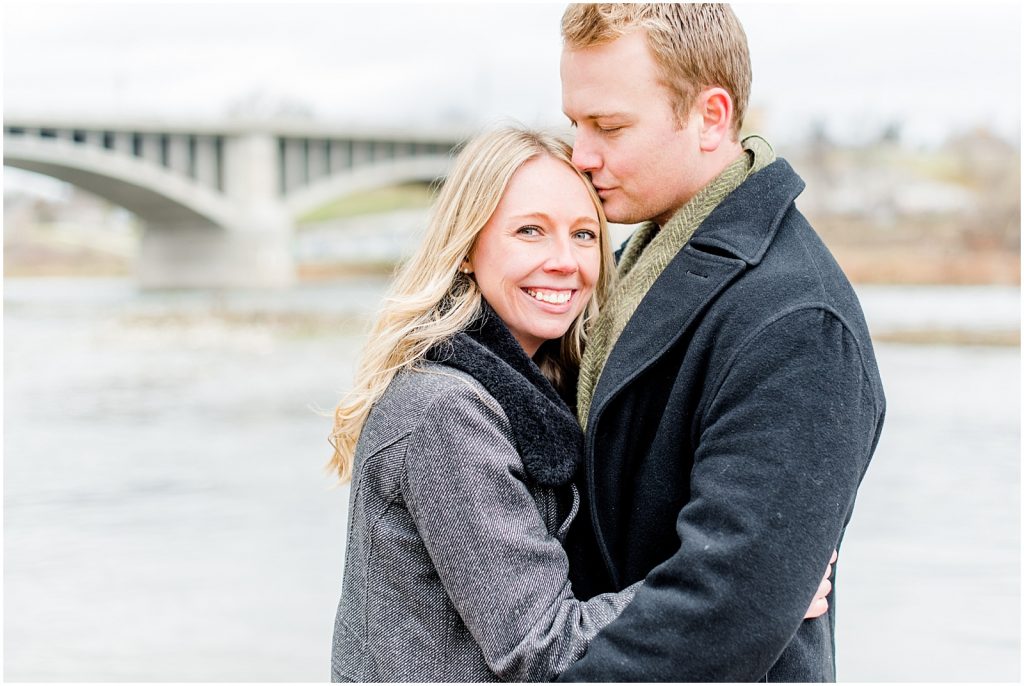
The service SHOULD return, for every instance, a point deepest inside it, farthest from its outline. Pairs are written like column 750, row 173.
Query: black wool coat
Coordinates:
column 729, row 431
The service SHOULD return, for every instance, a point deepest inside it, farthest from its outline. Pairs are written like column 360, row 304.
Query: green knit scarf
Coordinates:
column 647, row 254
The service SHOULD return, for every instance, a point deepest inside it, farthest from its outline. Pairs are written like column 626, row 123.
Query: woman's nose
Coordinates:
column 562, row 257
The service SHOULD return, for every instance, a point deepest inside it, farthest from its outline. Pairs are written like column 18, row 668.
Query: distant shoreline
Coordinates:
column 897, row 265
column 929, row 265
column 899, row 314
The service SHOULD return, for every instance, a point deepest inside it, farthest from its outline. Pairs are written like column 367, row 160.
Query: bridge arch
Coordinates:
column 154, row 194
column 366, row 177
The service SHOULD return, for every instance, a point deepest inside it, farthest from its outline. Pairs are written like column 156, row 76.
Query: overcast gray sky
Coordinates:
column 934, row 67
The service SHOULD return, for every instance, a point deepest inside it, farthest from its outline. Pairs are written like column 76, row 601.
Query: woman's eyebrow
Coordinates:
column 530, row 215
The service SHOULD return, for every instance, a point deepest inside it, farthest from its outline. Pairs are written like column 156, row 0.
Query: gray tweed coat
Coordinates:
column 460, row 499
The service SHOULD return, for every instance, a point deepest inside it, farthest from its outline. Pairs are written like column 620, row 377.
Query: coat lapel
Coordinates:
column 683, row 290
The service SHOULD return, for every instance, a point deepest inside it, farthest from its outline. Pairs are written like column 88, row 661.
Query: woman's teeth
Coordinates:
column 553, row 297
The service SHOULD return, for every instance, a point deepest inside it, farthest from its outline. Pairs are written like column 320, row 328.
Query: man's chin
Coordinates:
column 614, row 212
column 622, row 216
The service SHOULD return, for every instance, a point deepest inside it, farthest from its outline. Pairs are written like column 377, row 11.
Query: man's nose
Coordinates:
column 584, row 155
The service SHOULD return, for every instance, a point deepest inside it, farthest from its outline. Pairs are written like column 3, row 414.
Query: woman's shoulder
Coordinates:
column 433, row 383
column 417, row 395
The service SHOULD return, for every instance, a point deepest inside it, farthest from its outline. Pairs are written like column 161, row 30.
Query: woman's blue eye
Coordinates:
column 529, row 230
column 585, row 235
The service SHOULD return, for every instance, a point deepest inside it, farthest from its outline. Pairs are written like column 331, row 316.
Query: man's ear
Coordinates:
column 715, row 111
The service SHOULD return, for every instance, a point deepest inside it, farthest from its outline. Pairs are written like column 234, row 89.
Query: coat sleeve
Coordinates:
column 505, row 574
column 783, row 440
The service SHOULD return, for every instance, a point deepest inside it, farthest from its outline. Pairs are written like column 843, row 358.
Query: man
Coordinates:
column 729, row 391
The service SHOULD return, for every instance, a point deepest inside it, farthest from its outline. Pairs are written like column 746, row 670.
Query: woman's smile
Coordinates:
column 550, row 296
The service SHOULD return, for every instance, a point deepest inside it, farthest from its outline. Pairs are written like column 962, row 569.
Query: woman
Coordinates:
column 460, row 448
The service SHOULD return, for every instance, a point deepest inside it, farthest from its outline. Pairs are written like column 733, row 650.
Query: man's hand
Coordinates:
column 819, row 605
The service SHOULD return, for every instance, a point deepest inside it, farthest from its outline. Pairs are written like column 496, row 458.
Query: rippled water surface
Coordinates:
column 167, row 517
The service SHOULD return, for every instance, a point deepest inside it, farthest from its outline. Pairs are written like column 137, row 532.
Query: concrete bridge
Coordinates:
column 219, row 201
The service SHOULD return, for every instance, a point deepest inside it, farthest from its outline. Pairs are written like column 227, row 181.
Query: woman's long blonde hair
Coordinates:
column 431, row 300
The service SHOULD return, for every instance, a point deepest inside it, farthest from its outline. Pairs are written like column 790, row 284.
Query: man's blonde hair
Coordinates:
column 431, row 299
column 697, row 45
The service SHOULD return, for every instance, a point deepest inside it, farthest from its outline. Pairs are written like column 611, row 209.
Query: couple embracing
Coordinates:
column 568, row 464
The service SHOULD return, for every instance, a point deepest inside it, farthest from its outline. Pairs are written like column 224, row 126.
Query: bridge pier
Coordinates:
column 214, row 257
column 253, row 251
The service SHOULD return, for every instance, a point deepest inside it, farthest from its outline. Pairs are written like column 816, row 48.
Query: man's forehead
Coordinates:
column 609, row 80
column 587, row 101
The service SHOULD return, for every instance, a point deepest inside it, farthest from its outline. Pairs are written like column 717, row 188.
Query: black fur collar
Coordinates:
column 545, row 429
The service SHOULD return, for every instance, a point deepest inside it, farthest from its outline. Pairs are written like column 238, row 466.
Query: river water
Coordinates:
column 167, row 516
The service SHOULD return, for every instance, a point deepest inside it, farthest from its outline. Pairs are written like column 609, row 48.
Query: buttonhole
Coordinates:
column 701, row 276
